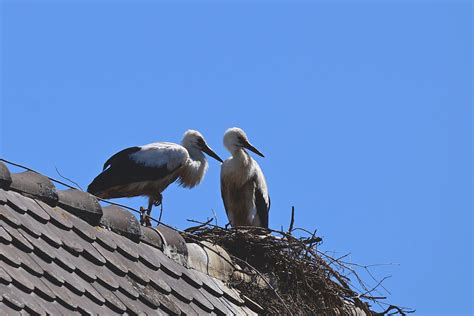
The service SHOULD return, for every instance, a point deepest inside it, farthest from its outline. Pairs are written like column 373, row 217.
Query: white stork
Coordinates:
column 148, row 170
column 243, row 186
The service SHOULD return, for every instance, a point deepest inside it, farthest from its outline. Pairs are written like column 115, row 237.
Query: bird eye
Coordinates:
column 200, row 142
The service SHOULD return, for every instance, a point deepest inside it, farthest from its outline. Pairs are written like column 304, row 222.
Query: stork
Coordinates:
column 148, row 170
column 243, row 186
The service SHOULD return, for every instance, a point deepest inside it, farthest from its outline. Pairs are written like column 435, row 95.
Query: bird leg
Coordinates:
column 145, row 212
column 159, row 202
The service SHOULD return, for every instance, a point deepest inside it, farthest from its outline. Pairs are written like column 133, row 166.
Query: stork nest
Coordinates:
column 288, row 274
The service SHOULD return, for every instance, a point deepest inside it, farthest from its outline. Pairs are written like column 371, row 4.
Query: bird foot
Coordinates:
column 144, row 217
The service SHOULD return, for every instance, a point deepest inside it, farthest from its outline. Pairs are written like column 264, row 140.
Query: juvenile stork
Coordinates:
column 148, row 170
column 243, row 186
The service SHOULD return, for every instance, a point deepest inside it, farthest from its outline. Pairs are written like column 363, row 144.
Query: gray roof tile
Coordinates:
column 34, row 184
column 35, row 210
column 10, row 254
column 59, row 217
column 107, row 278
column 4, row 276
column 121, row 221
column 10, row 295
column 17, row 239
column 8, row 215
column 111, row 299
column 5, row 176
column 19, row 278
column 148, row 256
column 133, row 306
column 81, row 204
column 219, row 307
column 3, row 196
column 5, row 236
column 113, row 261
column 16, row 200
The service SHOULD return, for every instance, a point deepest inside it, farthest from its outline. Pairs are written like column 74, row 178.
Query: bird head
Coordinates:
column 235, row 138
column 193, row 140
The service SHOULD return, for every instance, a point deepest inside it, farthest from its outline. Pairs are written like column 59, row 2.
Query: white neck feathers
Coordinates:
column 194, row 170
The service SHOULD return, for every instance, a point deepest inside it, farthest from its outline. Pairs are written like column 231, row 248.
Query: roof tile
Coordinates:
column 121, row 221
column 158, row 283
column 151, row 237
column 16, row 201
column 30, row 265
column 126, row 286
column 62, row 295
column 7, row 310
column 5, row 236
column 179, row 287
column 81, row 204
column 103, row 237
column 10, row 294
column 208, row 284
column 107, row 278
column 5, row 176
column 133, row 306
column 34, row 184
column 111, row 299
column 42, row 289
column 83, row 229
column 138, row 271
column 229, row 293
column 3, row 196
column 41, row 247
column 65, row 259
column 219, row 307
column 59, row 217
column 50, row 236
column 148, row 255
column 36, row 211
column 201, row 300
column 17, row 238
column 10, row 254
column 4, row 276
column 167, row 303
column 19, row 277
column 8, row 215
column 185, row 308
column 113, row 260
column 126, row 247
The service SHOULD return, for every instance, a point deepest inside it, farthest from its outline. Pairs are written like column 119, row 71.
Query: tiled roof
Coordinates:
column 63, row 253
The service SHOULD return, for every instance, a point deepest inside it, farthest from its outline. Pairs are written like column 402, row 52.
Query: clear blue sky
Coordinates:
column 363, row 110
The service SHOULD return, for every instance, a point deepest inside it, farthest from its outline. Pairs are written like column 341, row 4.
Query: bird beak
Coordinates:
column 253, row 149
column 211, row 153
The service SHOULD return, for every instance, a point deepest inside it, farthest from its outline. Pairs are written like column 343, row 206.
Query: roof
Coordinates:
column 63, row 253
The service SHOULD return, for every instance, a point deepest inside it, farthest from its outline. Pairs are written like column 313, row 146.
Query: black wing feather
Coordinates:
column 123, row 171
column 120, row 156
column 262, row 208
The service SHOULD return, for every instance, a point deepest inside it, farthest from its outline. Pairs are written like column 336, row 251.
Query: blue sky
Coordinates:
column 363, row 110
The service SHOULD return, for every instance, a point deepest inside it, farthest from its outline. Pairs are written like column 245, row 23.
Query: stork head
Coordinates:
column 193, row 141
column 235, row 139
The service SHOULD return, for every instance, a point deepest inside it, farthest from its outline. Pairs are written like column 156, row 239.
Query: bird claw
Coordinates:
column 144, row 218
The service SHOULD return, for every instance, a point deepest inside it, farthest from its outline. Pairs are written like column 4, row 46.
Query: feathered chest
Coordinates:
column 237, row 171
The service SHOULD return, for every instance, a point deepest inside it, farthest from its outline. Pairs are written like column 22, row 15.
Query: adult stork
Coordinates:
column 148, row 170
column 243, row 186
